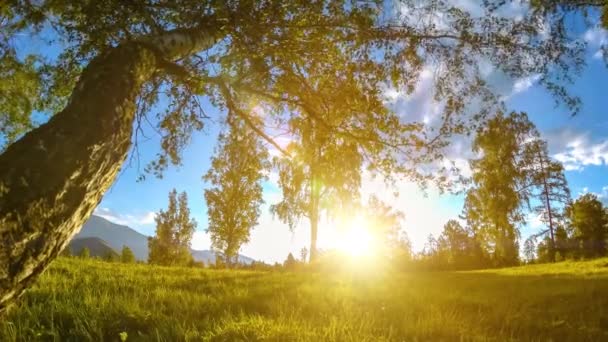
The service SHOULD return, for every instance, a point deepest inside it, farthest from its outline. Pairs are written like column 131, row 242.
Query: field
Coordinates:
column 88, row 300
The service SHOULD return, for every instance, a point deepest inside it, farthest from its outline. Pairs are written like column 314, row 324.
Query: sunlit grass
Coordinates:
column 86, row 300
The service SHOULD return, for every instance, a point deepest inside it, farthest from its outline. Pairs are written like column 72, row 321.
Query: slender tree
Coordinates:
column 118, row 56
column 530, row 249
column 126, row 255
column 234, row 200
column 174, row 230
column 303, row 254
column 553, row 193
column 85, row 253
column 290, row 263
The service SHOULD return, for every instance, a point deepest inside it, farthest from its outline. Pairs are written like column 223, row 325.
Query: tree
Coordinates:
column 588, row 220
column 321, row 173
column 530, row 249
column 126, row 255
column 85, row 253
column 174, row 229
column 548, row 176
column 386, row 224
column 456, row 244
column 501, row 183
column 563, row 243
column 290, row 263
column 234, row 201
column 119, row 55
column 303, row 254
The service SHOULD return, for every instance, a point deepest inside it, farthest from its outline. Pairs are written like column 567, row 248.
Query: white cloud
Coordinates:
column 131, row 220
column 524, row 83
column 602, row 195
column 580, row 151
column 200, row 240
column 534, row 221
column 596, row 38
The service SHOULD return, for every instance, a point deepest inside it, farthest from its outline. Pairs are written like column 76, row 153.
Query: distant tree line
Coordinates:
column 126, row 255
column 515, row 178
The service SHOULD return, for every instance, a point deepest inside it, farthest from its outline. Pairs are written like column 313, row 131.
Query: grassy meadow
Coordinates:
column 89, row 300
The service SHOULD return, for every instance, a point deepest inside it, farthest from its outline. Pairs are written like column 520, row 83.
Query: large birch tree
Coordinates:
column 118, row 56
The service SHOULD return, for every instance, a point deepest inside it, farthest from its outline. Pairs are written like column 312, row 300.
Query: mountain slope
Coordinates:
column 116, row 236
column 97, row 247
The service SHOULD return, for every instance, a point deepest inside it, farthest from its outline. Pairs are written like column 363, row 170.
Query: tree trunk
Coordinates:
column 548, row 206
column 313, row 216
column 52, row 179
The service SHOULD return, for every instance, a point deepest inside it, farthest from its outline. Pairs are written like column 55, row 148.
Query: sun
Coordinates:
column 357, row 240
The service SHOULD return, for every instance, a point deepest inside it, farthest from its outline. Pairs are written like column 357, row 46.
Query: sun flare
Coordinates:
column 357, row 239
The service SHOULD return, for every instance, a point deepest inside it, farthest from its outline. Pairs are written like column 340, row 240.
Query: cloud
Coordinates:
column 579, row 150
column 597, row 38
column 131, row 220
column 534, row 221
column 419, row 106
column 524, row 83
column 602, row 195
column 200, row 240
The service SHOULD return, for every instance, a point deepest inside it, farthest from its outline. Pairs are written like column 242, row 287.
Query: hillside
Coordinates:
column 97, row 247
column 81, row 300
column 116, row 236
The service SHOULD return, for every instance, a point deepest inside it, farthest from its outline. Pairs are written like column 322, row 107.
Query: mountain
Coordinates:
column 97, row 247
column 116, row 236
column 209, row 257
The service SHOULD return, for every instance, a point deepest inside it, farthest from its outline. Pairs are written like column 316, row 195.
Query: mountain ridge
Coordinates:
column 116, row 236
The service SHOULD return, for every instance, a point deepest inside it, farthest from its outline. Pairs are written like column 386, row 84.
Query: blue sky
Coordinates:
column 581, row 142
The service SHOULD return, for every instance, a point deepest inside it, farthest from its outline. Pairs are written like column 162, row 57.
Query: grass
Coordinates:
column 88, row 300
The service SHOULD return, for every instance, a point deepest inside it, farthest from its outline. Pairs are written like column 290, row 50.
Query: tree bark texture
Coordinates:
column 52, row 179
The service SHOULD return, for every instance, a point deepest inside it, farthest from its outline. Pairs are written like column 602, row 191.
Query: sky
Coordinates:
column 580, row 142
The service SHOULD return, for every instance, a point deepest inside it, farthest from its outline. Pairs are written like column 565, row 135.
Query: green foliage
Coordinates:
column 235, row 196
column 85, row 253
column 20, row 86
column 500, row 181
column 174, row 230
column 457, row 248
column 82, row 300
column 350, row 54
column 126, row 255
column 588, row 221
